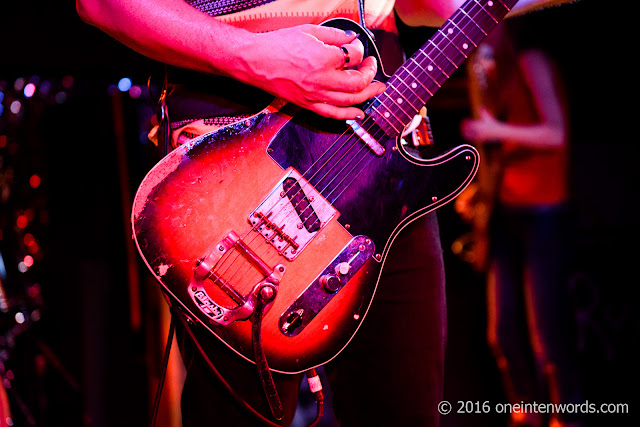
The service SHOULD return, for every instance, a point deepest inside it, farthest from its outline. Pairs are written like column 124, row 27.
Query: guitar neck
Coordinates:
column 420, row 77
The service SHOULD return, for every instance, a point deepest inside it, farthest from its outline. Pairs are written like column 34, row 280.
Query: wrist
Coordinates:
column 228, row 50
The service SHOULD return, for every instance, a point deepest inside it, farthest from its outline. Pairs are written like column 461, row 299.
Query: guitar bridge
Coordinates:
column 291, row 215
column 245, row 305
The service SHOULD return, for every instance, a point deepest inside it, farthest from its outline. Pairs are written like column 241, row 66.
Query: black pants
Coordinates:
column 530, row 316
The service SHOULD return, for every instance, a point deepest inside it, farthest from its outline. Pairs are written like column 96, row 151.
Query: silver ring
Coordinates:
column 347, row 57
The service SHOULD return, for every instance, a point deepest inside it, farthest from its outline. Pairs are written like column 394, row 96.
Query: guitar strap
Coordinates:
column 164, row 140
column 224, row 7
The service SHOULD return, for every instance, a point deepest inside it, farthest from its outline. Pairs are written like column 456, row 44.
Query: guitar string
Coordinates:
column 346, row 141
column 263, row 243
column 361, row 146
column 267, row 244
column 274, row 254
column 440, row 52
column 411, row 102
column 398, row 77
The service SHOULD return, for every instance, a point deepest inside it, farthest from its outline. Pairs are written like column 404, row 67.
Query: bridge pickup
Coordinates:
column 291, row 215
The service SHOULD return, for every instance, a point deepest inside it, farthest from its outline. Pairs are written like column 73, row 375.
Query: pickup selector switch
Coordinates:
column 343, row 268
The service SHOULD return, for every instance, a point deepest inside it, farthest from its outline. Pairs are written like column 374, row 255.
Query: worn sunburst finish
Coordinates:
column 198, row 193
column 205, row 193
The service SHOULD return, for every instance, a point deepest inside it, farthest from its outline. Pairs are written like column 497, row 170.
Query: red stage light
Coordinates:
column 34, row 181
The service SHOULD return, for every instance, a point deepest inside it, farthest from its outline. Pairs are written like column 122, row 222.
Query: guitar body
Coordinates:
column 294, row 206
column 198, row 193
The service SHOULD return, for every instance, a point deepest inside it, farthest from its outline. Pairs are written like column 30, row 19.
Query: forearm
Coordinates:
column 172, row 32
column 309, row 72
column 539, row 136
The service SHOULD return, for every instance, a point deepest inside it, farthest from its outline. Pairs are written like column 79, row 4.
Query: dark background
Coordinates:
column 83, row 358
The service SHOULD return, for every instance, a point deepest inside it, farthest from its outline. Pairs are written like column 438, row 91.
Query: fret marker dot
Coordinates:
column 430, row 68
column 450, row 31
column 490, row 3
column 465, row 46
column 399, row 100
column 386, row 114
column 413, row 85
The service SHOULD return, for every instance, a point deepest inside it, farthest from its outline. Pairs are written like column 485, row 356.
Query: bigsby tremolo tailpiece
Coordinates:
column 205, row 270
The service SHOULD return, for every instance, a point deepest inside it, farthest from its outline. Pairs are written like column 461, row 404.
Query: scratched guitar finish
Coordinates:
column 290, row 204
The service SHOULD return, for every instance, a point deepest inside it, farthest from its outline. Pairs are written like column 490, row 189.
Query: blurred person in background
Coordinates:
column 519, row 210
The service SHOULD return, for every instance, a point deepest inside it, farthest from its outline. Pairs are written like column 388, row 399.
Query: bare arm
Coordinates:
column 549, row 132
column 308, row 72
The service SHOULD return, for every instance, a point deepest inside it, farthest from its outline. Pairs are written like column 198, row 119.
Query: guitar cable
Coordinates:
column 163, row 372
column 312, row 377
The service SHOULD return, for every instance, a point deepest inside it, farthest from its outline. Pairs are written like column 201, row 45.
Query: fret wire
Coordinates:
column 419, row 81
column 482, row 14
column 486, row 11
column 391, row 128
column 472, row 24
column 411, row 88
column 414, row 102
column 473, row 15
column 443, row 54
column 493, row 11
column 375, row 132
column 467, row 27
column 419, row 99
column 388, row 110
column 394, row 101
column 432, row 62
column 464, row 34
column 505, row 6
column 440, row 60
column 387, row 128
column 427, row 73
column 453, row 43
column 386, row 119
column 476, row 25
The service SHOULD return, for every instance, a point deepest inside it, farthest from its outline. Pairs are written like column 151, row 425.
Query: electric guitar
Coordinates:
column 300, row 211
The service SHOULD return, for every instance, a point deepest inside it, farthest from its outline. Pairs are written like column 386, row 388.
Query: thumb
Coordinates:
column 331, row 36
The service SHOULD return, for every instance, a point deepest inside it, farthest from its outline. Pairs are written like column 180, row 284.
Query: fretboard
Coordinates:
column 425, row 72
